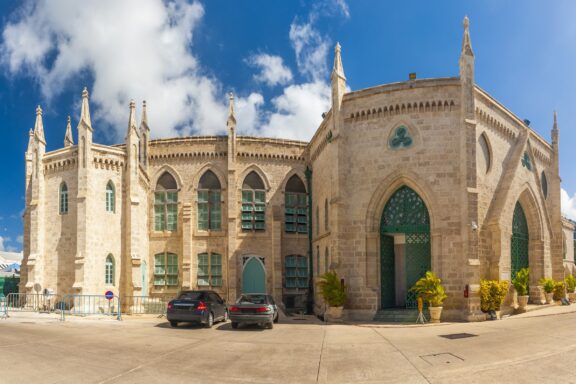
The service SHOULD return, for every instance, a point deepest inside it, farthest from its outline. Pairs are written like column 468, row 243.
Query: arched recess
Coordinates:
column 405, row 253
column 289, row 175
column 209, row 167
column 484, row 154
column 374, row 210
column 259, row 171
column 160, row 171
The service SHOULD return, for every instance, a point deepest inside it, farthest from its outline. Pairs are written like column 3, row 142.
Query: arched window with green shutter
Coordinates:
column 520, row 241
column 296, row 206
column 209, row 202
column 110, row 198
column 109, row 270
column 63, row 207
column 253, row 203
column 166, row 203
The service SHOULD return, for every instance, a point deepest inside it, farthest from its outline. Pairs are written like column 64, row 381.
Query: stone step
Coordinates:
column 396, row 316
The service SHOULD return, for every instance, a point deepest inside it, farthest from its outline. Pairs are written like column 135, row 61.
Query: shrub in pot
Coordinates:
column 492, row 295
column 520, row 283
column 571, row 287
column 548, row 286
column 333, row 291
column 559, row 292
column 430, row 289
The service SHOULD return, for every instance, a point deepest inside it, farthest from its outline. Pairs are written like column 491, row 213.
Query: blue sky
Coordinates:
column 183, row 57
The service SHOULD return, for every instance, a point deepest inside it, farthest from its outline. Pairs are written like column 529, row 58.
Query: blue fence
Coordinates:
column 82, row 305
column 141, row 305
column 31, row 302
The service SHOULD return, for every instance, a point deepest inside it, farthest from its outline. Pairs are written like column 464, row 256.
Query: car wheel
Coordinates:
column 234, row 325
column 270, row 325
column 173, row 324
column 210, row 321
column 225, row 316
column 277, row 318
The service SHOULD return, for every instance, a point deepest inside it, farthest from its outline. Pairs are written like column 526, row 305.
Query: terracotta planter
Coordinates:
column 333, row 313
column 435, row 314
column 522, row 303
column 549, row 297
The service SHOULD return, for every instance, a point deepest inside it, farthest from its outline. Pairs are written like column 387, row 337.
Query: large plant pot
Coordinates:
column 522, row 303
column 549, row 297
column 435, row 314
column 333, row 313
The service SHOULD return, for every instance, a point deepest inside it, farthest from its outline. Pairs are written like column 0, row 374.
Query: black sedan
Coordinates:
column 202, row 307
column 254, row 309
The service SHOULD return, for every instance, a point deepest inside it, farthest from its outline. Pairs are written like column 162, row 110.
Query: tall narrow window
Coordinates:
column 109, row 273
column 544, row 182
column 166, row 269
column 110, row 198
column 296, row 272
column 326, row 222
column 326, row 260
column 209, row 270
column 317, row 220
column 317, row 261
column 209, row 205
column 296, row 206
column 253, row 203
column 63, row 198
column 166, row 203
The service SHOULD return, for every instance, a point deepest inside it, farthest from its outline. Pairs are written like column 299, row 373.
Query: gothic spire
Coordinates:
column 68, row 140
column 39, row 126
column 466, row 43
column 132, row 117
column 555, row 131
column 144, row 121
column 338, row 68
column 85, row 111
column 30, row 140
column 231, row 116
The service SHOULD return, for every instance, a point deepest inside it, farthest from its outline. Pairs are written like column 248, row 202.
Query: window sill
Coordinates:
column 209, row 233
column 164, row 234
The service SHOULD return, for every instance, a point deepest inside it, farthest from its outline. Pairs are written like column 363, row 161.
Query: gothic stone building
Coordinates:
column 431, row 174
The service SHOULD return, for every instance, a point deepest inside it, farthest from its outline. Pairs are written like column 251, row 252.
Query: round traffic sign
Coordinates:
column 109, row 295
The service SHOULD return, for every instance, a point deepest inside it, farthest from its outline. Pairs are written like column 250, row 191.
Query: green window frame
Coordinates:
column 296, row 272
column 166, row 211
column 253, row 210
column 166, row 269
column 209, row 210
column 63, row 206
column 209, row 270
column 296, row 212
column 110, row 198
column 109, row 270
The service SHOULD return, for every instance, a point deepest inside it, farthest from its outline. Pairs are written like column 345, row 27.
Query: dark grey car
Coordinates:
column 203, row 307
column 254, row 308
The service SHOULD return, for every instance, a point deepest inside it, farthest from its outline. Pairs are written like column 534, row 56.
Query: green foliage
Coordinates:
column 547, row 284
column 492, row 294
column 520, row 281
column 558, row 290
column 571, row 283
column 332, row 290
column 430, row 289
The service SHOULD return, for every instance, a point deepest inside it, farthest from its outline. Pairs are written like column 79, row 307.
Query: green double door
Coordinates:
column 253, row 277
column 404, row 260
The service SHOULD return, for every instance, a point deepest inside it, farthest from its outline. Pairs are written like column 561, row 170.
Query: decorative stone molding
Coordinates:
column 402, row 109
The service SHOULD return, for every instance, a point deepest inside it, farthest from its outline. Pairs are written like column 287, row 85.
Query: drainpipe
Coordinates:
column 310, row 299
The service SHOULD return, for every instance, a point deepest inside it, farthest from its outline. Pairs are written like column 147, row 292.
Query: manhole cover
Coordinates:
column 453, row 336
column 442, row 359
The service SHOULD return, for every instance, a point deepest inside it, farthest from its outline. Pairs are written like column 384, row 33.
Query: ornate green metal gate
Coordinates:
column 405, row 213
column 520, row 240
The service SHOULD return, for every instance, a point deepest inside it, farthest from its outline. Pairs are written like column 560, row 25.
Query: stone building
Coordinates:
column 431, row 174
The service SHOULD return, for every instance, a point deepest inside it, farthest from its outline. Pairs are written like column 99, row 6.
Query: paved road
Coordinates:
column 516, row 350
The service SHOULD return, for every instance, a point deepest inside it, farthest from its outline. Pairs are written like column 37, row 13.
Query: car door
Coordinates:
column 217, row 305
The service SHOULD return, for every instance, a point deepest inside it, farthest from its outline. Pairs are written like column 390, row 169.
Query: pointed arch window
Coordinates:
column 209, row 202
column 63, row 208
column 326, row 260
column 296, row 272
column 110, row 197
column 166, row 203
column 296, row 206
column 326, row 221
column 485, row 153
column 253, row 203
column 109, row 271
column 544, row 182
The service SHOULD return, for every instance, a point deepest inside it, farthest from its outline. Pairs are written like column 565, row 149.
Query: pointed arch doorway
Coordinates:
column 253, row 275
column 520, row 241
column 404, row 247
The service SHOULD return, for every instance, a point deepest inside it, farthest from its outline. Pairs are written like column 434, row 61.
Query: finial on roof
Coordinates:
column 231, row 115
column 338, row 68
column 39, row 126
column 68, row 140
column 85, row 111
column 466, row 42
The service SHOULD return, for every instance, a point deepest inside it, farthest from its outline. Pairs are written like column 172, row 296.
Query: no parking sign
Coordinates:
column 109, row 295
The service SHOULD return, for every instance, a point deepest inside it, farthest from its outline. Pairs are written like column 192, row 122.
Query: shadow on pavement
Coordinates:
column 241, row 328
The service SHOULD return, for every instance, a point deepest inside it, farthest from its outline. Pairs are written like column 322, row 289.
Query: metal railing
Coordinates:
column 31, row 302
column 140, row 305
column 83, row 305
column 3, row 310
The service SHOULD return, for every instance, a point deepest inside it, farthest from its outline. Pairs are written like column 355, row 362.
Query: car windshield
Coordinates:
column 252, row 299
column 190, row 295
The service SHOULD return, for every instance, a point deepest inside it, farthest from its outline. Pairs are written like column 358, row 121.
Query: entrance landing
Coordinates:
column 396, row 315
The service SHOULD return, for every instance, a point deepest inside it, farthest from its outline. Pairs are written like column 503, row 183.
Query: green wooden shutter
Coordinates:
column 215, row 211
column 172, row 270
column 159, row 269
column 203, row 270
column 203, row 210
column 216, row 269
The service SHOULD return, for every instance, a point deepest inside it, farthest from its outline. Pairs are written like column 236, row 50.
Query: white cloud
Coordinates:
column 272, row 69
column 568, row 204
column 134, row 49
column 311, row 49
column 2, row 246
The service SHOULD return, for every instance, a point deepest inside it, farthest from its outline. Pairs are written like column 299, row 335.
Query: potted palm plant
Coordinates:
column 520, row 283
column 548, row 286
column 492, row 295
column 333, row 291
column 430, row 289
column 571, row 287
